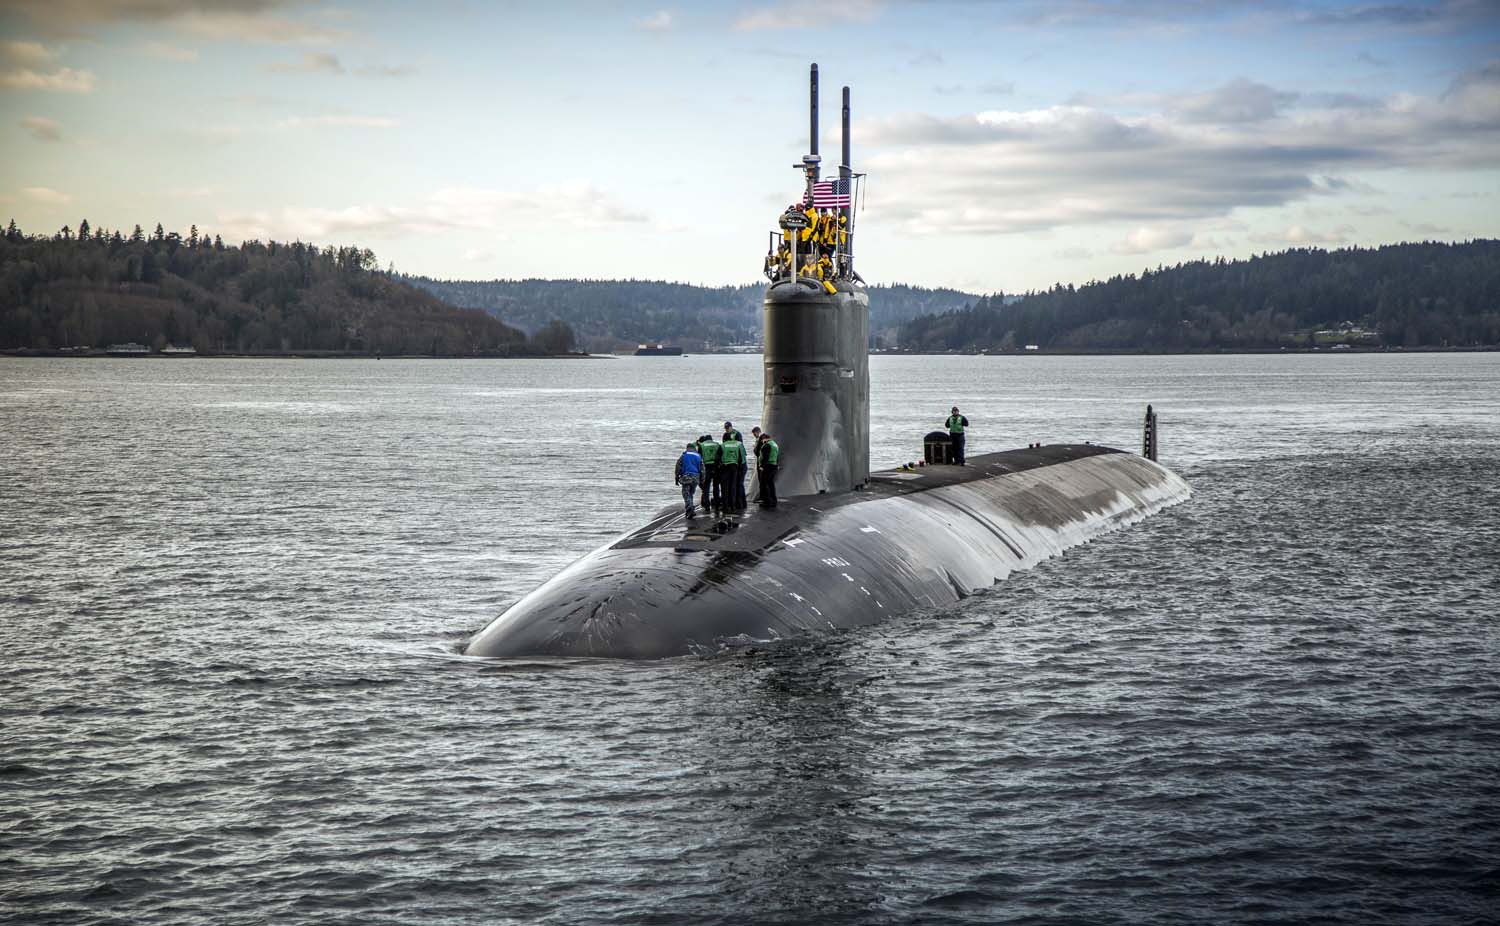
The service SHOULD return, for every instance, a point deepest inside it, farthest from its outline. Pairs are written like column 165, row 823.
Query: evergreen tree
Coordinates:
column 137, row 236
column 12, row 233
column 218, row 243
column 83, row 230
column 160, row 234
column 193, row 236
column 556, row 338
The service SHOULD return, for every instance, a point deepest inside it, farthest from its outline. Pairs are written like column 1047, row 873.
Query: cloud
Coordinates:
column 236, row 20
column 42, row 129
column 997, row 88
column 62, row 80
column 660, row 21
column 256, row 27
column 168, row 52
column 577, row 205
column 358, row 122
column 200, row 192
column 926, row 58
column 1181, row 15
column 1240, row 100
column 1144, row 240
column 948, row 89
column 313, row 62
column 1035, row 170
column 41, row 194
column 26, row 54
column 385, row 70
column 1298, row 235
column 807, row 16
column 478, row 256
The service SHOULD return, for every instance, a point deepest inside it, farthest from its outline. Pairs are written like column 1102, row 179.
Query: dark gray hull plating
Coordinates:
column 825, row 562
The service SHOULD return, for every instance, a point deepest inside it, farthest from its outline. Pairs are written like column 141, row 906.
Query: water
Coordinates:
column 232, row 595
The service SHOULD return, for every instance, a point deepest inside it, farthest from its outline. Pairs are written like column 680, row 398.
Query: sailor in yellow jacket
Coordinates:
column 810, row 233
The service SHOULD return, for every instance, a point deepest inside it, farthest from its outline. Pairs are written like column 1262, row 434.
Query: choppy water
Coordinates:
column 231, row 594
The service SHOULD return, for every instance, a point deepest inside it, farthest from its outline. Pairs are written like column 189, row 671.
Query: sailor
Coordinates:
column 810, row 268
column 828, row 234
column 689, row 471
column 732, row 469
column 809, row 234
column 825, row 267
column 956, row 425
column 708, row 449
column 755, row 438
column 768, row 453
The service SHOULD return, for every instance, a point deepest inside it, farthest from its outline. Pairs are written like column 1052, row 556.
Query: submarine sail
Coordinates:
column 845, row 547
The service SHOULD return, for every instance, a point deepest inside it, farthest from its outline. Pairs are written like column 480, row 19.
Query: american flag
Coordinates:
column 830, row 194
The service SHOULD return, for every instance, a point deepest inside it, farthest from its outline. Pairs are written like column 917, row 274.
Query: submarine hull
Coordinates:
column 906, row 541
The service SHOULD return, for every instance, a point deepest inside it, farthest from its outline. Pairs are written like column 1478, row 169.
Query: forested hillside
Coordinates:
column 1403, row 295
column 617, row 313
column 94, row 287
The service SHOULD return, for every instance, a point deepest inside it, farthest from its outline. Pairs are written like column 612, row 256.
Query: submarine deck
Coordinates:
column 756, row 529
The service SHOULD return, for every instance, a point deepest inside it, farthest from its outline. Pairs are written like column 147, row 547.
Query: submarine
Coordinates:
column 845, row 547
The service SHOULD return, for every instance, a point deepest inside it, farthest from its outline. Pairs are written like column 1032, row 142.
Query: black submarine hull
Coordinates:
column 905, row 541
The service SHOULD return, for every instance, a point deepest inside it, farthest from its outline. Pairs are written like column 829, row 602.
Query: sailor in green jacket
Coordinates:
column 708, row 448
column 732, row 470
column 956, row 425
column 770, row 460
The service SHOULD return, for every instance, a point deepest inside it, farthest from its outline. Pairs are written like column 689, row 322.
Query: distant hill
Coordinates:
column 1402, row 295
column 617, row 313
column 91, row 288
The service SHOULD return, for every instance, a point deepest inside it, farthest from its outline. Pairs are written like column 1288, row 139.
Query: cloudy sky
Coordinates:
column 1009, row 145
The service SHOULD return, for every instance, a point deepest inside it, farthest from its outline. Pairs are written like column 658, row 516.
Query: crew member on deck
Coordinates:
column 755, row 438
column 689, row 471
column 769, row 456
column 732, row 468
column 956, row 425
column 708, row 449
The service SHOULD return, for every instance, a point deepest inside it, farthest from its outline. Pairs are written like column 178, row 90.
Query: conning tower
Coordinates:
column 817, row 320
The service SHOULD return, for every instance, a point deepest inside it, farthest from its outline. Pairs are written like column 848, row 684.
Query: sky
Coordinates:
column 1008, row 145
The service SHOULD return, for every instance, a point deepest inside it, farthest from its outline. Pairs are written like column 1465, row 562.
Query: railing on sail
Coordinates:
column 789, row 237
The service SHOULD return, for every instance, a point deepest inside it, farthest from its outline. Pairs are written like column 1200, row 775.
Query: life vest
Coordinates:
column 955, row 424
column 732, row 452
column 709, row 450
column 772, row 453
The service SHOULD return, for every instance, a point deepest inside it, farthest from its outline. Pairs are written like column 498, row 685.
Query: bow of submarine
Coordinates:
column 908, row 540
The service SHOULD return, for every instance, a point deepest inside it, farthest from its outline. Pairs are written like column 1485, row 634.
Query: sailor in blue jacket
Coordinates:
column 689, row 471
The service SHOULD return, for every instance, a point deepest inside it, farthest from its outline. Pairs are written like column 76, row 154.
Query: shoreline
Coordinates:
column 32, row 353
column 283, row 355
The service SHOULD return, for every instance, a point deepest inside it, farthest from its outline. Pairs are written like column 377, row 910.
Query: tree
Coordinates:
column 12, row 233
column 160, row 234
column 83, row 230
column 193, row 236
column 218, row 243
column 137, row 236
column 556, row 338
